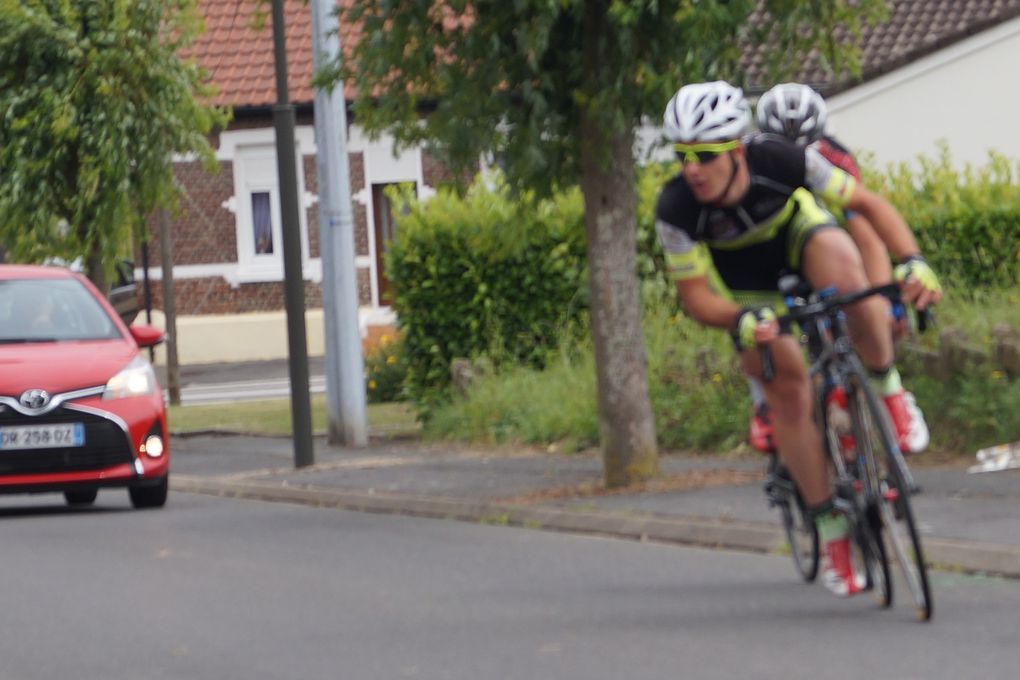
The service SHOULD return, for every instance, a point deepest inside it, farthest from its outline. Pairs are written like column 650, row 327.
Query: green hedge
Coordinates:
column 484, row 274
column 967, row 221
column 498, row 275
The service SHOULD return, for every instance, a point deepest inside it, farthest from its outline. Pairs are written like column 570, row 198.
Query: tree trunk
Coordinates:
column 173, row 375
column 95, row 268
column 626, row 424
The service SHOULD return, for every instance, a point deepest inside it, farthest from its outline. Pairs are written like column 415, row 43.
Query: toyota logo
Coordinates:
column 34, row 399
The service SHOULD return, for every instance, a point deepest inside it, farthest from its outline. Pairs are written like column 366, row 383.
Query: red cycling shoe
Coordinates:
column 911, row 430
column 760, row 434
column 838, row 573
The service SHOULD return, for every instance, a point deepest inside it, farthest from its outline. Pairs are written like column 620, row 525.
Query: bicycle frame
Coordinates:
column 831, row 356
column 873, row 480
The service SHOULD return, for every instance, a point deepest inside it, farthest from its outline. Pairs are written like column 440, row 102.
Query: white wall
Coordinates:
column 256, row 336
column 963, row 94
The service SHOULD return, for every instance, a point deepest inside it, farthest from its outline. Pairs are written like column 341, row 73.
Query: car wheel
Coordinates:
column 81, row 497
column 149, row 496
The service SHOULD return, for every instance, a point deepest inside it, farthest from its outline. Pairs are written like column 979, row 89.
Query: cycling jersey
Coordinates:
column 752, row 243
column 840, row 156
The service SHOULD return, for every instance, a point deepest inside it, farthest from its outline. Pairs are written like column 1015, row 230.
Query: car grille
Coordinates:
column 106, row 445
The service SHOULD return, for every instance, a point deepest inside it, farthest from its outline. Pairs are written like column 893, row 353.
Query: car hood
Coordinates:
column 62, row 366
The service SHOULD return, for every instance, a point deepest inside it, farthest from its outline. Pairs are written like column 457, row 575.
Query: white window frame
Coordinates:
column 253, row 155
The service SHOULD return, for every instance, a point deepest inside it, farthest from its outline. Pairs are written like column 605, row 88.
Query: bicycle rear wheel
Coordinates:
column 875, row 441
column 801, row 533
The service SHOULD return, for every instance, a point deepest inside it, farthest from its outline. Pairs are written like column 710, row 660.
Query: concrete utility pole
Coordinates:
column 345, row 382
column 294, row 281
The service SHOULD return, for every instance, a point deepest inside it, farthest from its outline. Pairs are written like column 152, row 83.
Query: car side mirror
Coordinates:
column 146, row 336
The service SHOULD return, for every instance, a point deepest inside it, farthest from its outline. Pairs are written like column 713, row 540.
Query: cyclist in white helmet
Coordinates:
column 798, row 113
column 741, row 213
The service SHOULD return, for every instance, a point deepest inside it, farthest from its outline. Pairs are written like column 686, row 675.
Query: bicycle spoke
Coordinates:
column 892, row 495
column 801, row 534
column 803, row 539
column 898, row 517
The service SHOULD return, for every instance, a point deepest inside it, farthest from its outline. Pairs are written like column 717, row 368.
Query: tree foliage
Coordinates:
column 554, row 90
column 509, row 77
column 93, row 101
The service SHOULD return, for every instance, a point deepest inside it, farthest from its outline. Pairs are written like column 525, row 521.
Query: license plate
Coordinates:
column 42, row 436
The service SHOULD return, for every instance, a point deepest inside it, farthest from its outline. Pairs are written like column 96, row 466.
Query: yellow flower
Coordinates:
column 998, row 375
column 391, row 360
column 384, row 340
column 371, row 384
column 717, row 377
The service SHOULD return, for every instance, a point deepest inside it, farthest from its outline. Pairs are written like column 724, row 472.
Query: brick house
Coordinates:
column 227, row 247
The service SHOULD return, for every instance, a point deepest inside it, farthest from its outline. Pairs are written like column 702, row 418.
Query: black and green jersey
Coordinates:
column 754, row 242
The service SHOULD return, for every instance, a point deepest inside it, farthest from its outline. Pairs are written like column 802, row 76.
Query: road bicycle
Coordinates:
column 871, row 479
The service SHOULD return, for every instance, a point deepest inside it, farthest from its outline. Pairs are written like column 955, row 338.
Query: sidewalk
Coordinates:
column 969, row 522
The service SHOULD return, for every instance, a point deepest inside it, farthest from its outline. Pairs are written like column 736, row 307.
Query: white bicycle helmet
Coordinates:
column 794, row 111
column 707, row 112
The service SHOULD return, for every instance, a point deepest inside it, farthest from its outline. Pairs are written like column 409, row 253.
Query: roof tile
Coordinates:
column 240, row 59
column 914, row 29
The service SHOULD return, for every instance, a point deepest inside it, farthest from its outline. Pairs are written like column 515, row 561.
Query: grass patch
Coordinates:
column 272, row 417
column 700, row 399
column 976, row 312
column 698, row 396
column 524, row 405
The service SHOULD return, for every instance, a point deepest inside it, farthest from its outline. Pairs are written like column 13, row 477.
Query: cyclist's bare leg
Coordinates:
column 876, row 263
column 797, row 437
column 874, row 254
column 831, row 258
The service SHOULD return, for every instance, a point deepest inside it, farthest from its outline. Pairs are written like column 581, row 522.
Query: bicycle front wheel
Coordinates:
column 875, row 441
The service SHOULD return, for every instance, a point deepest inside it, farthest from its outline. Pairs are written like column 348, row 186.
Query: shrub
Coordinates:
column 385, row 371
column 967, row 222
column 484, row 274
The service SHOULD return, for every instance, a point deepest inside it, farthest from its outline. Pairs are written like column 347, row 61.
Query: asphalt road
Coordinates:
column 241, row 381
column 225, row 588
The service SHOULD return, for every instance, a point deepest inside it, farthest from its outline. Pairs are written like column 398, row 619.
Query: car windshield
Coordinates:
column 51, row 310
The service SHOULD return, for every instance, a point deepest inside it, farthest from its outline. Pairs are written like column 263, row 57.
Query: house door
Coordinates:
column 385, row 231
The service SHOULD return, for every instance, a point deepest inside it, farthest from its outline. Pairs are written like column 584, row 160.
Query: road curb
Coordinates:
column 943, row 554
column 687, row 530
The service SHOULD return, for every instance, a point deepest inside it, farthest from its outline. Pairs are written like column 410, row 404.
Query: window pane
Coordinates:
column 262, row 222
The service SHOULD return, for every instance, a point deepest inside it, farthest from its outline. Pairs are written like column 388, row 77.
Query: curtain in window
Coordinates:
column 262, row 223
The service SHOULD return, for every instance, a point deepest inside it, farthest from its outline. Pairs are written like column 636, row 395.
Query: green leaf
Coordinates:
column 94, row 101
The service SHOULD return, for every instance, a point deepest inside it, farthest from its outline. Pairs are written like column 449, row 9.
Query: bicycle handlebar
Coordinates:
column 822, row 306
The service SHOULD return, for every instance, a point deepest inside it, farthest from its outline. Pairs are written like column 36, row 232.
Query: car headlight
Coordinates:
column 137, row 379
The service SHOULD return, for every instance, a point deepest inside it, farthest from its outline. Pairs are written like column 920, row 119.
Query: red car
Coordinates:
column 80, row 407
